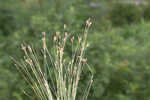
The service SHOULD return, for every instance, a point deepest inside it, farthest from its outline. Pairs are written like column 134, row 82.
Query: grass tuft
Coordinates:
column 55, row 77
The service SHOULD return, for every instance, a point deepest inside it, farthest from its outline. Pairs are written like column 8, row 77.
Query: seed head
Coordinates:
column 61, row 51
column 88, row 22
column 65, row 26
column 84, row 60
column 43, row 33
column 65, row 39
column 23, row 47
column 72, row 39
column 55, row 38
column 66, row 34
column 29, row 47
column 57, row 33
column 44, row 43
column 29, row 61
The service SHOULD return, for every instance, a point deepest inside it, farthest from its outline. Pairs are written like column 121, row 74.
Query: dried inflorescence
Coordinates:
column 63, row 74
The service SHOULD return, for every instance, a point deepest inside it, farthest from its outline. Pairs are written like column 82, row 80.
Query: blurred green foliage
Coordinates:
column 146, row 13
column 119, row 43
column 121, row 14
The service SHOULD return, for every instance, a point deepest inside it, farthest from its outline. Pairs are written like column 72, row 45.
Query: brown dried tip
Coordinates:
column 56, row 64
column 59, row 44
column 43, row 33
column 23, row 47
column 72, row 39
column 66, row 34
column 88, row 22
column 84, row 61
column 44, row 43
column 29, row 61
column 29, row 48
column 57, row 33
column 79, row 39
column 65, row 39
column 65, row 26
column 55, row 38
column 61, row 51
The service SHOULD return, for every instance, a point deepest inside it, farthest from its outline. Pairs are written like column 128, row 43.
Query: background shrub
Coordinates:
column 146, row 12
column 121, row 14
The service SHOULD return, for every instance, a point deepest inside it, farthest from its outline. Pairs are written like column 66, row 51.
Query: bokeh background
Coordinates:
column 119, row 43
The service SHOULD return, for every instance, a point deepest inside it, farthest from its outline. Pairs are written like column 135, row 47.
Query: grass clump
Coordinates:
column 53, row 77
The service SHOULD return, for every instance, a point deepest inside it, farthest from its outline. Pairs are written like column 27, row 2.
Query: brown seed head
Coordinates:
column 88, row 22
column 65, row 26
column 61, row 51
column 29, row 47
column 29, row 61
column 43, row 33
column 65, row 39
column 66, row 34
column 72, row 39
column 84, row 61
column 55, row 38
column 57, row 33
column 23, row 47
column 44, row 43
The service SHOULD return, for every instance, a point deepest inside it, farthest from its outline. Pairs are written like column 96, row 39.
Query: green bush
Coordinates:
column 146, row 13
column 121, row 14
column 120, row 58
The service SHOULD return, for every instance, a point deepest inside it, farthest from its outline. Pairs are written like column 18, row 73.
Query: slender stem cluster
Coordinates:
column 56, row 77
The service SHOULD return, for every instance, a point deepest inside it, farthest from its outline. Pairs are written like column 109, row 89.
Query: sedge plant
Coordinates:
column 56, row 77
